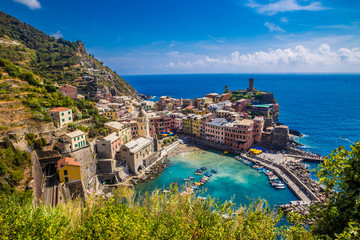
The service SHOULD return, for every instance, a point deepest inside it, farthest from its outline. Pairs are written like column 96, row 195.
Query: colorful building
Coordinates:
column 74, row 140
column 69, row 91
column 68, row 170
column 109, row 145
column 215, row 130
column 61, row 115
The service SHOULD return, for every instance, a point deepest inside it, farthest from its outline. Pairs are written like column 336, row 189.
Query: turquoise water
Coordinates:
column 323, row 107
column 234, row 180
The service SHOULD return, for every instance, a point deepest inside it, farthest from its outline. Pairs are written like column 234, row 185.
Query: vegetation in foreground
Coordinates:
column 176, row 216
column 156, row 216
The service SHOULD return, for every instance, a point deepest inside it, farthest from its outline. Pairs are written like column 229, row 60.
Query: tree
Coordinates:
column 226, row 89
column 340, row 173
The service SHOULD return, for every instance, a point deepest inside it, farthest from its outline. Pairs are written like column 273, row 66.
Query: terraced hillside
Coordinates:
column 58, row 60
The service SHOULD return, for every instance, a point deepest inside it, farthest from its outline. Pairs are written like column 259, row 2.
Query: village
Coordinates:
column 142, row 133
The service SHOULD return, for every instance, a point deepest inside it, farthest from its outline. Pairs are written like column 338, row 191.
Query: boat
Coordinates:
column 203, row 168
column 186, row 179
column 208, row 174
column 213, row 171
column 280, row 187
column 226, row 152
column 194, row 187
column 197, row 173
column 165, row 191
column 202, row 198
column 191, row 178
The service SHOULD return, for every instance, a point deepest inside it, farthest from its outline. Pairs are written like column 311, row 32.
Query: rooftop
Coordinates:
column 66, row 161
column 115, row 125
column 59, row 109
column 219, row 122
column 75, row 133
column 138, row 144
column 112, row 137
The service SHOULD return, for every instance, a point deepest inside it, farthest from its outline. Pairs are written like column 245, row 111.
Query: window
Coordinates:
column 69, row 118
column 63, row 120
column 65, row 172
column 76, row 145
column 62, row 114
column 74, row 139
column 66, row 179
column 68, row 112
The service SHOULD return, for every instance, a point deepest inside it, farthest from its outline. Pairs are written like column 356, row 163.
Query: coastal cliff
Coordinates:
column 57, row 60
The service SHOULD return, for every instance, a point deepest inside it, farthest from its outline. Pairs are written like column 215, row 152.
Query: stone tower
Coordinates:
column 143, row 124
column 251, row 84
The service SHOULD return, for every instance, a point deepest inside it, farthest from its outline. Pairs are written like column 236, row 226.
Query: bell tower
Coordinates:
column 143, row 124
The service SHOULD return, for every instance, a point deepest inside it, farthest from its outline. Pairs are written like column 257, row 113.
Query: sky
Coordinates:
column 136, row 37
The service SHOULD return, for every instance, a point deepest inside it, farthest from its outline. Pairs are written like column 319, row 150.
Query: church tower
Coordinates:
column 143, row 124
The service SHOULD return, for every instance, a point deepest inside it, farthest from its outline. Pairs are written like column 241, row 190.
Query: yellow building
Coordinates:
column 111, row 114
column 186, row 124
column 68, row 170
column 201, row 112
column 196, row 125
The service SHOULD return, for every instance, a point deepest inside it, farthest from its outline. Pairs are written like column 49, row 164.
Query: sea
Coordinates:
column 325, row 108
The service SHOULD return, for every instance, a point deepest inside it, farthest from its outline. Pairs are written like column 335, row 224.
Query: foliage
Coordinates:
column 51, row 59
column 12, row 164
column 340, row 173
column 39, row 143
column 154, row 216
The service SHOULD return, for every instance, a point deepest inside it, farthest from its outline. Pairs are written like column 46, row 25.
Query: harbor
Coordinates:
column 233, row 181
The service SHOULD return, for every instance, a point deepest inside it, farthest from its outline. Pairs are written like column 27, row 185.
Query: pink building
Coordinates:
column 134, row 129
column 215, row 130
column 109, row 145
column 69, row 91
column 241, row 104
column 241, row 135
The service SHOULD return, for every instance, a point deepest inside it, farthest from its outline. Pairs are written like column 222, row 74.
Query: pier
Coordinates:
column 300, row 190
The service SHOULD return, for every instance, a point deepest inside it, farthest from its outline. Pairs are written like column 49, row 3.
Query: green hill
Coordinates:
column 57, row 60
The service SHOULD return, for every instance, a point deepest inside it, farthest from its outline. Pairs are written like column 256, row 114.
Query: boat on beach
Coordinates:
column 214, row 171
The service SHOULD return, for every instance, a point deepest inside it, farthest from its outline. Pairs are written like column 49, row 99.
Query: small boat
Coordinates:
column 203, row 168
column 191, row 178
column 280, row 187
column 213, row 171
column 165, row 191
column 194, row 187
column 208, row 174
column 186, row 179
column 202, row 198
column 197, row 173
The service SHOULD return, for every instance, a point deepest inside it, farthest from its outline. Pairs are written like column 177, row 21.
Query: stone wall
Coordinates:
column 37, row 176
column 48, row 127
column 88, row 164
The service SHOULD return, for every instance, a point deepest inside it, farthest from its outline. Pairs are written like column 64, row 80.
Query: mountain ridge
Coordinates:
column 58, row 60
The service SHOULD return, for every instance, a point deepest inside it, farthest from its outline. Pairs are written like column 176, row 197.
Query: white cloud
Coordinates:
column 273, row 27
column 340, row 26
column 298, row 59
column 274, row 7
column 57, row 35
column 32, row 4
column 284, row 19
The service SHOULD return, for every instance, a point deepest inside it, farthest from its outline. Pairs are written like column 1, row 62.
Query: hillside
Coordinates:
column 58, row 60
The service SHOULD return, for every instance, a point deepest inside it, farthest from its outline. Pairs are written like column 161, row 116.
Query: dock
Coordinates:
column 301, row 191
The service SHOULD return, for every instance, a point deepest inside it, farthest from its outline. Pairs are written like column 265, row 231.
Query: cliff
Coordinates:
column 58, row 60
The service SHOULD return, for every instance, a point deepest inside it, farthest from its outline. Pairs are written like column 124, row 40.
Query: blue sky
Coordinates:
column 205, row 36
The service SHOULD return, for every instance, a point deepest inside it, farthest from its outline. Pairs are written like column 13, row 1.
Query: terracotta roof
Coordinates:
column 67, row 161
column 59, row 109
column 189, row 107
